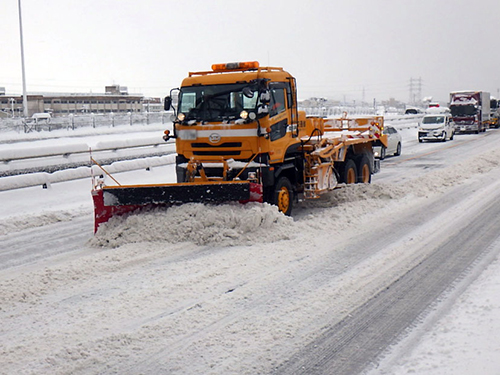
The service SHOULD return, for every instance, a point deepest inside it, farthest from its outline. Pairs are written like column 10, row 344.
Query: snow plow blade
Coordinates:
column 112, row 201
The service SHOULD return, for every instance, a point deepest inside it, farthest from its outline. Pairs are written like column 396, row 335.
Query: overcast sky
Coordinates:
column 337, row 49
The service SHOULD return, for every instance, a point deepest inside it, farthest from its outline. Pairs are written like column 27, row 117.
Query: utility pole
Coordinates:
column 25, row 96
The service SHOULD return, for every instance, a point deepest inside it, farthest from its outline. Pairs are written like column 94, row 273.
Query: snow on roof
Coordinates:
column 463, row 99
column 437, row 110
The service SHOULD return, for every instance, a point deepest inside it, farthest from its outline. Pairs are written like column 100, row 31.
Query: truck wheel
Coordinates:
column 349, row 172
column 364, row 172
column 283, row 195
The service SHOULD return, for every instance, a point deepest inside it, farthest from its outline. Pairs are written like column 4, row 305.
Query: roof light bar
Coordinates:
column 247, row 65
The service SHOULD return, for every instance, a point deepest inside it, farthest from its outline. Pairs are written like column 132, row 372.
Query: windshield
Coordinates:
column 433, row 120
column 217, row 102
column 463, row 110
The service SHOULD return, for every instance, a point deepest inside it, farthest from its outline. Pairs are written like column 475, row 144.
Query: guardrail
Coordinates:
column 8, row 155
column 45, row 179
column 44, row 165
column 403, row 121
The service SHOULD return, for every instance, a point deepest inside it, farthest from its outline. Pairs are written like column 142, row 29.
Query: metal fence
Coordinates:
column 72, row 122
column 337, row 111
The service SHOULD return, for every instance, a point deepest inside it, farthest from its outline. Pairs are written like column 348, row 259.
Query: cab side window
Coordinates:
column 277, row 103
column 280, row 97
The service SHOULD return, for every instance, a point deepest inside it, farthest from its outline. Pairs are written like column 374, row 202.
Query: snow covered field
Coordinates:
column 237, row 289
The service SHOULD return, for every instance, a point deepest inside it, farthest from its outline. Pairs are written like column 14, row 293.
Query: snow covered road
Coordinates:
column 242, row 289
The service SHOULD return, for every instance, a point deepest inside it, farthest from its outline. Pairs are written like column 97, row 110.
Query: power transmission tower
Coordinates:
column 415, row 90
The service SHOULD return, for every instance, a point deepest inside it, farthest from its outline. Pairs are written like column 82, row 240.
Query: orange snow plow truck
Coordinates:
column 240, row 137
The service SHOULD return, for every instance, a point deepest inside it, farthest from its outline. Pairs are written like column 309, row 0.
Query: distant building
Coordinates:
column 115, row 100
column 152, row 105
column 116, row 90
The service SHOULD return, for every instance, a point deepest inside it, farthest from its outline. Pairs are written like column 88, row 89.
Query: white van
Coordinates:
column 436, row 127
column 41, row 117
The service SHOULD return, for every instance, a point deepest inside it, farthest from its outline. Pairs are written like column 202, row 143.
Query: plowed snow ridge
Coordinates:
column 235, row 224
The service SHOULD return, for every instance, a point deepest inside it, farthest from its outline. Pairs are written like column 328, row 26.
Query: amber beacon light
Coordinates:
column 235, row 66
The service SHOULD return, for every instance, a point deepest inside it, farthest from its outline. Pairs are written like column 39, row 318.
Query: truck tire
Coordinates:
column 364, row 170
column 283, row 196
column 349, row 172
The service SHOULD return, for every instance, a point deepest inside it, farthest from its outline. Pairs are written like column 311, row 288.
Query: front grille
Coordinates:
column 222, row 145
column 216, row 153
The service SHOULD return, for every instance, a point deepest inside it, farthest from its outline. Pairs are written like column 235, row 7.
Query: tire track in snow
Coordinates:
column 348, row 346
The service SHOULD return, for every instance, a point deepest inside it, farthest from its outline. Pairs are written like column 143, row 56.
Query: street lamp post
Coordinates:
column 12, row 101
column 25, row 97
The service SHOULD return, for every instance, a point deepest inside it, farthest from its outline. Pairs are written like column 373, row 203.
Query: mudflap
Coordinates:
column 112, row 201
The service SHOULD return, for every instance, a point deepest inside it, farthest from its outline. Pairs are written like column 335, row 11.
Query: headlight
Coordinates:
column 244, row 114
column 181, row 116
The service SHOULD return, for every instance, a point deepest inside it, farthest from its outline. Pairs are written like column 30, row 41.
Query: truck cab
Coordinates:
column 470, row 111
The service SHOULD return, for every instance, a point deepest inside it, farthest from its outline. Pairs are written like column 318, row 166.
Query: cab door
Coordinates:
column 279, row 120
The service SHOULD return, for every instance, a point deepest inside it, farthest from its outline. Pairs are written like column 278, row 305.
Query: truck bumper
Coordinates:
column 432, row 135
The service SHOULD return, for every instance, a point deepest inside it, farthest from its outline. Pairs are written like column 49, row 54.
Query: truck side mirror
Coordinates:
column 167, row 103
column 265, row 97
column 263, row 109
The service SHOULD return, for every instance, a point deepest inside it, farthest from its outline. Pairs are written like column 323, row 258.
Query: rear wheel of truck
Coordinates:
column 283, row 195
column 364, row 172
column 349, row 172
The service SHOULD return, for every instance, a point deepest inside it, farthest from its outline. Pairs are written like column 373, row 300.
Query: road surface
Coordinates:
column 241, row 289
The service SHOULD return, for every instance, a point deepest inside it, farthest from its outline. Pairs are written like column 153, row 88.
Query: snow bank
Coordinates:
column 227, row 224
column 236, row 224
column 21, row 223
